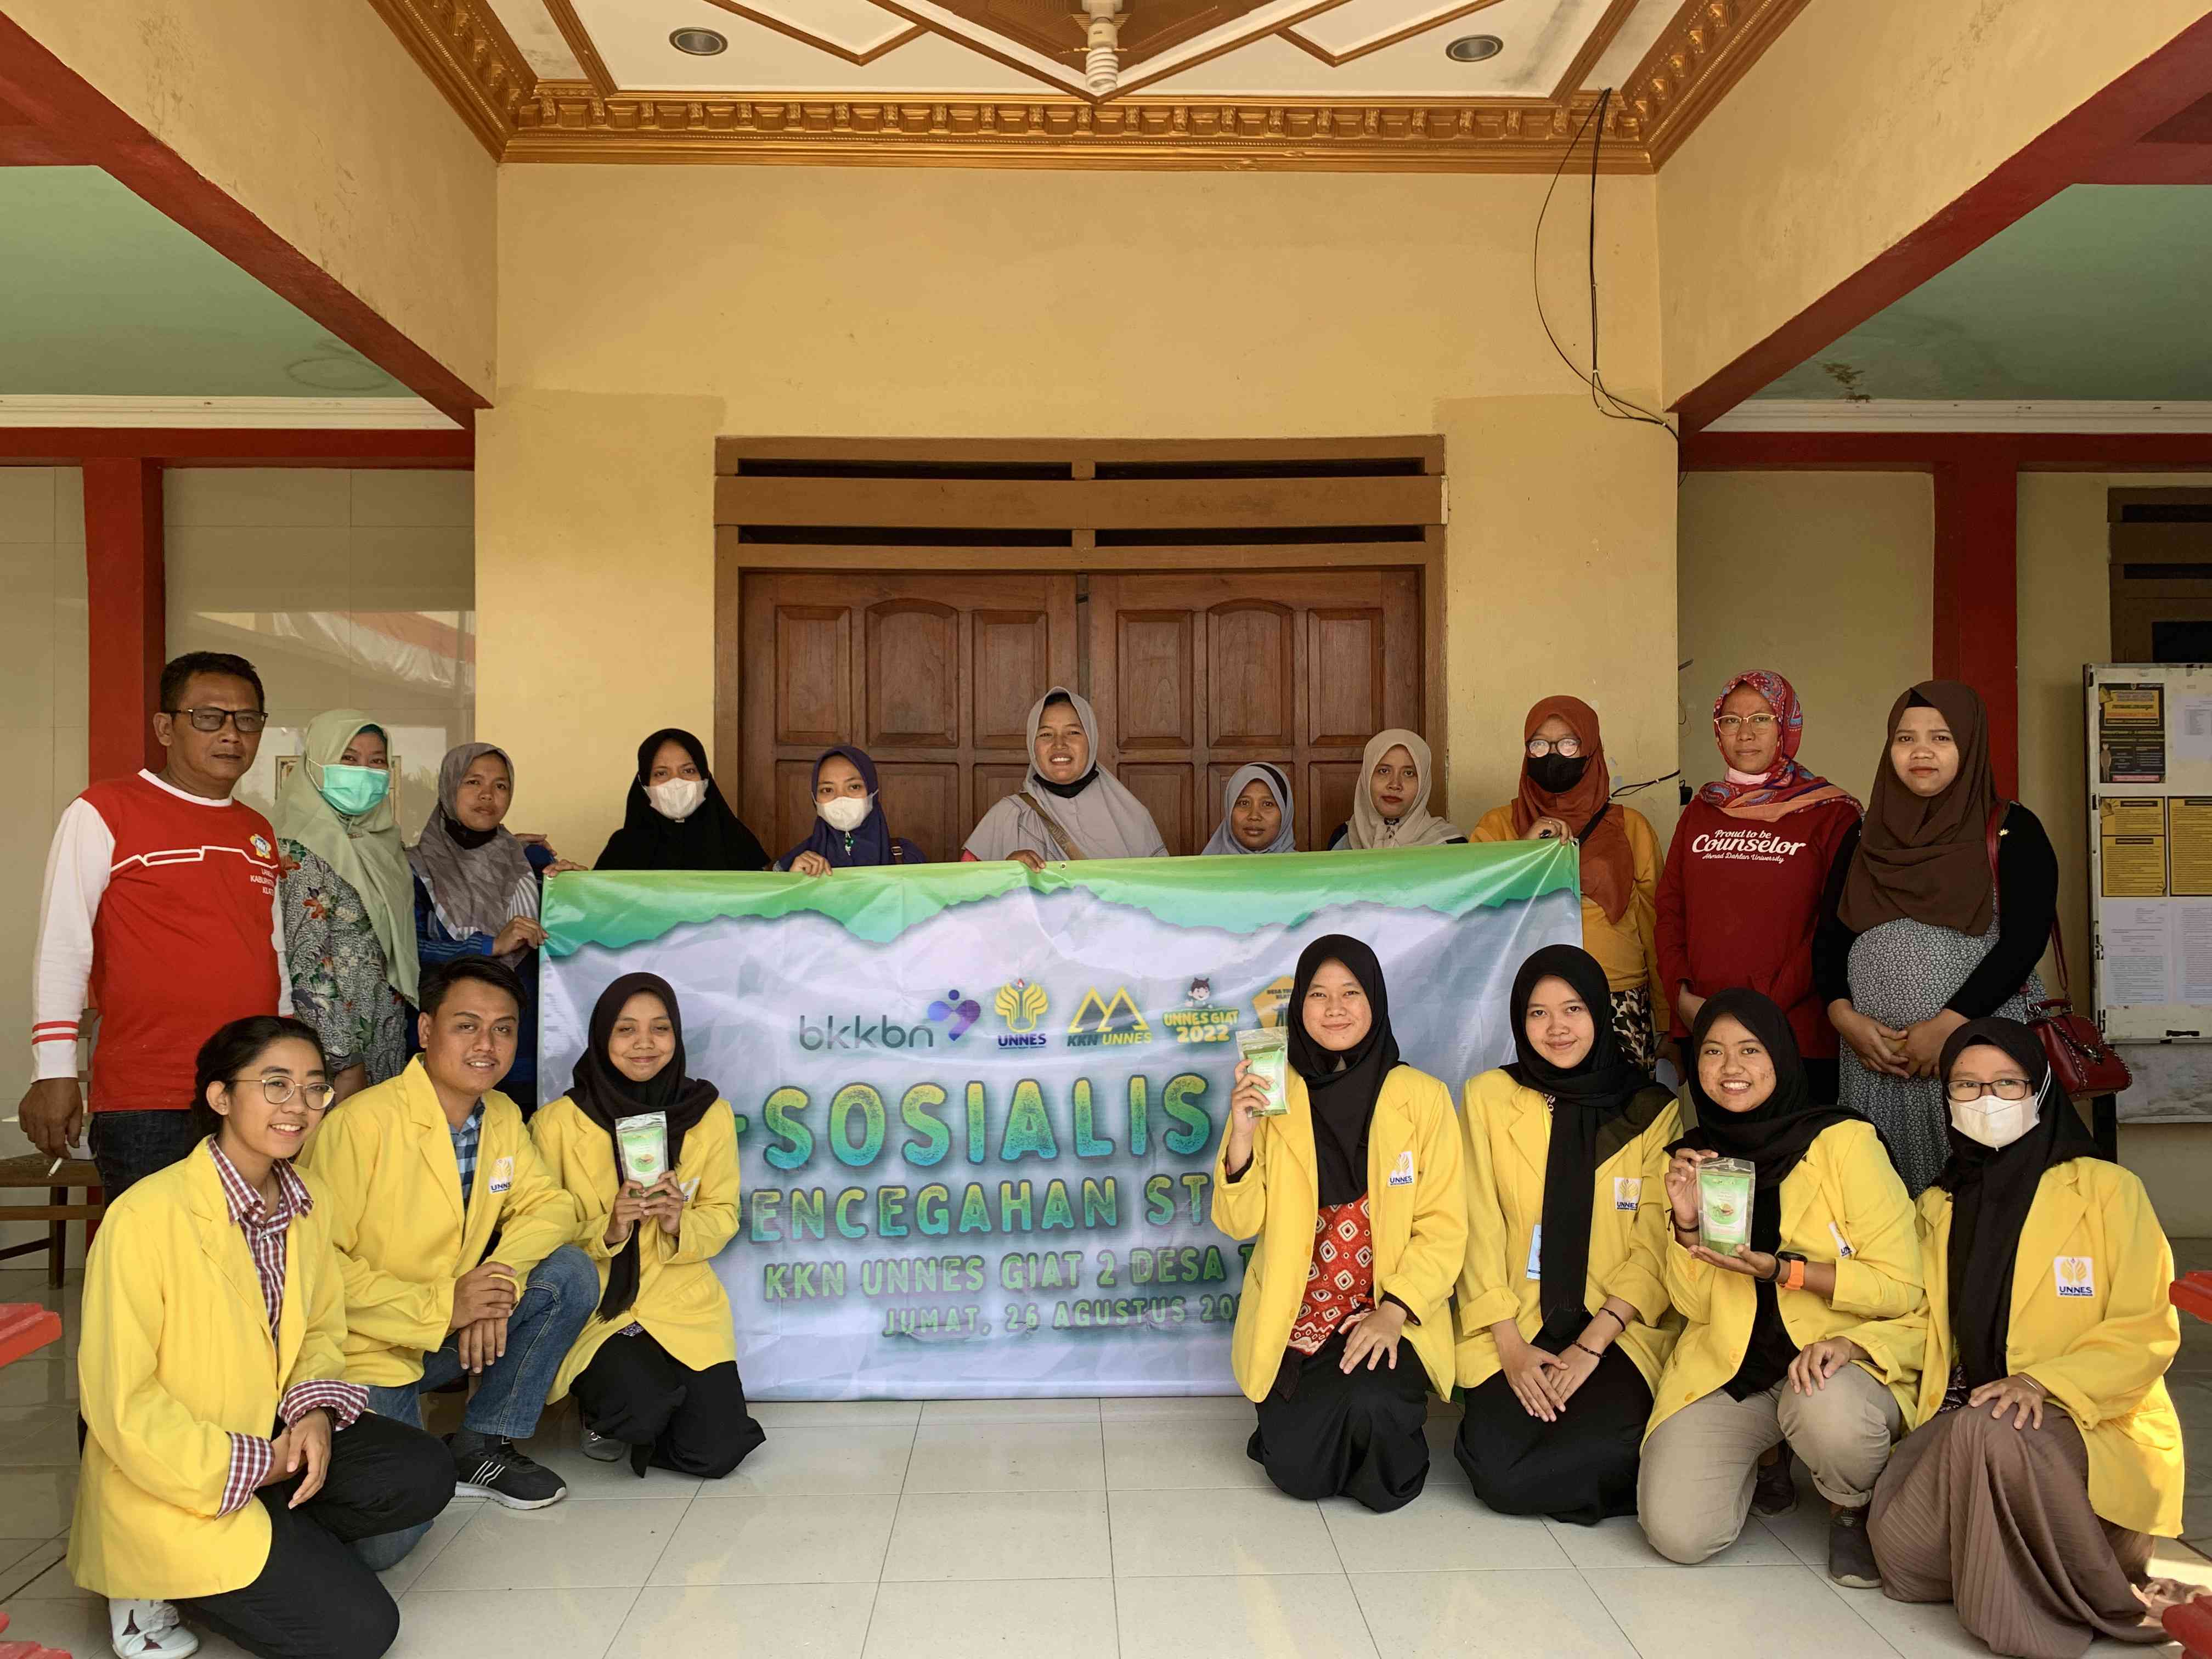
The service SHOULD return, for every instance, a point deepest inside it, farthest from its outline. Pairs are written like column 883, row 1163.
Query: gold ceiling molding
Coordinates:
column 469, row 57
column 1703, row 50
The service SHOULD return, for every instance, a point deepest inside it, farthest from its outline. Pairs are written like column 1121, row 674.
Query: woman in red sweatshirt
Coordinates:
column 1741, row 895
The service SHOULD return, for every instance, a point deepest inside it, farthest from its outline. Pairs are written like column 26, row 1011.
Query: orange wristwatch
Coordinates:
column 1788, row 1271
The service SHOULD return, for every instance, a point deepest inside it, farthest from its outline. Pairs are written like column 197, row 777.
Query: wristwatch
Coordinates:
column 1788, row 1271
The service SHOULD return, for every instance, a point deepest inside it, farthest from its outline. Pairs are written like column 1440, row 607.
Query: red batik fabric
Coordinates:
column 1340, row 1282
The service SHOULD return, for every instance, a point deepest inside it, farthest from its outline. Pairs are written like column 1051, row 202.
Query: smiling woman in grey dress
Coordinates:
column 1916, row 937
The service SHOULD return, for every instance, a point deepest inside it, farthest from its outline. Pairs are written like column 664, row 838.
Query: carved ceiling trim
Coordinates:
column 563, row 13
column 792, row 31
column 469, row 55
column 1608, row 27
column 1338, row 60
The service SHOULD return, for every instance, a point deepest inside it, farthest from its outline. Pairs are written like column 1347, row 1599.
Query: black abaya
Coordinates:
column 1325, row 1433
column 1580, row 1467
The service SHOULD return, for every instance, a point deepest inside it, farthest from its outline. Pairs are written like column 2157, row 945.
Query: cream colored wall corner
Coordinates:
column 1826, row 578
column 595, row 583
column 317, row 120
column 1860, row 123
column 1561, row 578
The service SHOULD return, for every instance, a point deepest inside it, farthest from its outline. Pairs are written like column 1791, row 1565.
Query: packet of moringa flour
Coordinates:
column 1724, row 1204
column 1268, row 1054
column 643, row 1142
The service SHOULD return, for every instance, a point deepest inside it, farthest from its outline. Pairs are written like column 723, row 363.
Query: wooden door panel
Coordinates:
column 1331, row 787
column 1250, row 650
column 1346, row 649
column 920, row 800
column 913, row 692
column 793, row 819
column 993, row 784
column 813, row 648
column 1156, row 685
column 1165, row 790
column 1015, row 663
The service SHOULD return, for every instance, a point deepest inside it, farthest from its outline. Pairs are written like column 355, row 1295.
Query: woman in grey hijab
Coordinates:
column 1255, row 814
column 1068, row 808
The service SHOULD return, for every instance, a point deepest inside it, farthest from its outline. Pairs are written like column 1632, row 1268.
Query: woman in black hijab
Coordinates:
column 2047, row 1453
column 655, row 1369
column 676, row 817
column 1832, row 1244
column 1353, row 1194
column 1563, row 1292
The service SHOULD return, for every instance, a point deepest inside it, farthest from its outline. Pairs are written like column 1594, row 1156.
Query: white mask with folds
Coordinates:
column 679, row 797
column 1996, row 1123
column 846, row 812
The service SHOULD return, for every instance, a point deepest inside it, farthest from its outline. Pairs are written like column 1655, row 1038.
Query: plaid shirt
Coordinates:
column 265, row 1228
column 465, row 1142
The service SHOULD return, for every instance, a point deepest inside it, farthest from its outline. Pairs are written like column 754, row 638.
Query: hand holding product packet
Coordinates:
column 643, row 1142
column 1724, row 1186
column 1268, row 1053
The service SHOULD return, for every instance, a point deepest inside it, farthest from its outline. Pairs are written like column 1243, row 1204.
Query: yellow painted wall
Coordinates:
column 942, row 303
column 314, row 117
column 1862, row 122
column 1826, row 578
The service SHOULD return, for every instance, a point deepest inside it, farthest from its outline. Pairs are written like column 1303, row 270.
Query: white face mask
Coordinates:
column 846, row 812
column 679, row 797
column 1995, row 1123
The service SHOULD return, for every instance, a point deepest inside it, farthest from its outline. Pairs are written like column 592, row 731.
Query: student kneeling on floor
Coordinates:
column 418, row 1174
column 212, row 1371
column 1353, row 1194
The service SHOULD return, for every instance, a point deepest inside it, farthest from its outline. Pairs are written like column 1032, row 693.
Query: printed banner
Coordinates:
column 977, row 1107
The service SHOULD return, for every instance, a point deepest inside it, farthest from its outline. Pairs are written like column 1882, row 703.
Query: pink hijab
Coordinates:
column 1787, row 787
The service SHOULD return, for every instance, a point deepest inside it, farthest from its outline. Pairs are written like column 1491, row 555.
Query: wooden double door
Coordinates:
column 1192, row 674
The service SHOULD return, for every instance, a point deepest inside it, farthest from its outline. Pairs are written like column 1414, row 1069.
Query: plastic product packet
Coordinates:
column 1724, row 1187
column 1268, row 1054
column 643, row 1143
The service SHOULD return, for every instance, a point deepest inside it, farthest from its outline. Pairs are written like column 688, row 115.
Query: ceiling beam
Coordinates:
column 71, row 445
column 1924, row 452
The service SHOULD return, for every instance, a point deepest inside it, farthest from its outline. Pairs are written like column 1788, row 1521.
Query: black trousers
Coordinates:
column 670, row 1417
column 1325, row 1433
column 128, row 1146
column 313, row 1598
column 1581, row 1467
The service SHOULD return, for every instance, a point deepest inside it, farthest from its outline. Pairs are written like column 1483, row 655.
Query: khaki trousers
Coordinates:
column 1694, row 1489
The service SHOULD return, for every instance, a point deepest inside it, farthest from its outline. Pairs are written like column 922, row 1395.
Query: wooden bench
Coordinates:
column 29, row 1170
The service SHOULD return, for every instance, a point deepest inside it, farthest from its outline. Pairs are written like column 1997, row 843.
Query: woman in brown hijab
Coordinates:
column 1916, row 938
column 1566, row 794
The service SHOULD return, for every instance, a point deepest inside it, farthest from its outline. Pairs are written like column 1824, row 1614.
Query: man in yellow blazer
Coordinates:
column 419, row 1174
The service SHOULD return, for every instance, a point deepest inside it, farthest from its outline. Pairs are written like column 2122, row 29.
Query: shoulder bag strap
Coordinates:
column 1052, row 824
column 2057, row 938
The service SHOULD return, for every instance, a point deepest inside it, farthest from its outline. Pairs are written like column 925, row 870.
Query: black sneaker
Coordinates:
column 496, row 1470
column 1775, row 1492
column 1850, row 1552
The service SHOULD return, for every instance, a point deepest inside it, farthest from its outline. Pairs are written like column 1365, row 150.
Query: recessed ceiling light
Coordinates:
column 701, row 43
column 1474, row 48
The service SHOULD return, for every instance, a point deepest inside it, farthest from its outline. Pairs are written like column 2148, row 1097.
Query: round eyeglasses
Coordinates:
column 277, row 1091
column 2004, row 1087
column 1540, row 747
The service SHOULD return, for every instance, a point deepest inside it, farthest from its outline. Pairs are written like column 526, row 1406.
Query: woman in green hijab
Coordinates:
column 348, row 900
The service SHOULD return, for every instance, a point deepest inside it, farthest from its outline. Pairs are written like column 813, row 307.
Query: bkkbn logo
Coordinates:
column 1101, row 1022
column 1021, row 1005
column 859, row 1031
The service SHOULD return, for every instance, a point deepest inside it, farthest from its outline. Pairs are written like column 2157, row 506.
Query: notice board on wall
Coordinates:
column 2150, row 849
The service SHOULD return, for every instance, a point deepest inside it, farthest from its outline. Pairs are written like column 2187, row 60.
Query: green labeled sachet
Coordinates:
column 1724, row 1204
column 1267, row 1052
column 643, row 1141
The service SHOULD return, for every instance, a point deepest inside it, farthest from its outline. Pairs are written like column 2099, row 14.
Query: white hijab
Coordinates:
column 1419, row 827
column 1225, row 838
column 1103, row 819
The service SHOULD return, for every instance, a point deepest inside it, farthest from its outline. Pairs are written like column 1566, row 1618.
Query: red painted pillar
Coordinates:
column 1978, row 591
column 129, row 617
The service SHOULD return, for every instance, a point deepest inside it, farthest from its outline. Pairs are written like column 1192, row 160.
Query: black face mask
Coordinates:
column 1557, row 774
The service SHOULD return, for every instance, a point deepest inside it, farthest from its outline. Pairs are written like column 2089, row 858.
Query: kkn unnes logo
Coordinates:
column 1021, row 1005
column 1268, row 1005
column 1201, row 1022
column 1107, row 1021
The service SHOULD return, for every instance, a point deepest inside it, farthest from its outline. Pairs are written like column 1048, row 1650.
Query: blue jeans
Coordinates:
column 510, row 1392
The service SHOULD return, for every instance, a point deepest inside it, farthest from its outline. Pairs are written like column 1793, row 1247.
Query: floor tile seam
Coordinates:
column 667, row 1544
column 614, row 1634
column 1844, row 1593
column 1113, row 1578
column 1606, row 1608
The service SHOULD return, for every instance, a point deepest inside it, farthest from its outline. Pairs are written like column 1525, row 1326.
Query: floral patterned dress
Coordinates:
column 336, row 968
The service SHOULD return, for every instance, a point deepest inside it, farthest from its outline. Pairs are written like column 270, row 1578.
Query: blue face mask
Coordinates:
column 353, row 790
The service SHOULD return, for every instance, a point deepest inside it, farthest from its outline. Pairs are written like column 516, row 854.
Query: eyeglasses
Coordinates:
column 1540, row 747
column 2004, row 1087
column 1732, row 723
column 247, row 720
column 277, row 1091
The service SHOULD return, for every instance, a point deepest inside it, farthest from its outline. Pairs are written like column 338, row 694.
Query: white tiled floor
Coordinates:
column 1083, row 1529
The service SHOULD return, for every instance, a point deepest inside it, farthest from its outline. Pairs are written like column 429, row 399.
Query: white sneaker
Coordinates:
column 601, row 1449
column 149, row 1629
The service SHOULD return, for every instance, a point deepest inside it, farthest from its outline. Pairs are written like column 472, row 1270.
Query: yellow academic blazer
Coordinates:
column 1843, row 1203
column 383, row 1169
column 1508, row 1134
column 2091, row 1322
column 680, row 1302
column 175, row 1356
column 1628, row 949
column 1416, row 1206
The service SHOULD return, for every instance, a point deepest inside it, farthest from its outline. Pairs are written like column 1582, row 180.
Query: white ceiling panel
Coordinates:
column 532, row 29
column 1644, row 27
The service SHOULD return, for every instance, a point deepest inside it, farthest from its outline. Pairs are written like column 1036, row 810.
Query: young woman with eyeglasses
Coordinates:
column 1740, row 899
column 1566, row 795
column 228, row 1467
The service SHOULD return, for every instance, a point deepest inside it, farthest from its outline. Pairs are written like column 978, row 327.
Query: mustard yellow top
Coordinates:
column 1628, row 950
column 2091, row 1322
column 680, row 1302
column 175, row 1358
column 1507, row 1129
column 1844, row 1204
column 383, row 1171
column 1416, row 1206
